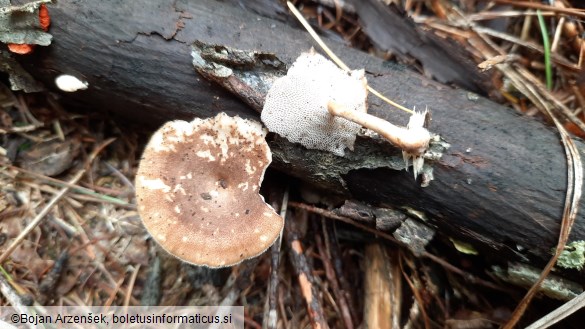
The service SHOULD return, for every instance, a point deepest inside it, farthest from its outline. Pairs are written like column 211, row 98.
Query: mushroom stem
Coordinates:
column 413, row 140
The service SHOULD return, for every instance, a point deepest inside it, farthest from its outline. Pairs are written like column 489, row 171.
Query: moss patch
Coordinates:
column 573, row 256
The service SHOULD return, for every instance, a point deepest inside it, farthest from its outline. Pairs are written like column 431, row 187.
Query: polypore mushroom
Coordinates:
column 197, row 190
column 323, row 107
column 296, row 104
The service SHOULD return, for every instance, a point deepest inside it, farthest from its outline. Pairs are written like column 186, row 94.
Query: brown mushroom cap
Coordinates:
column 197, row 190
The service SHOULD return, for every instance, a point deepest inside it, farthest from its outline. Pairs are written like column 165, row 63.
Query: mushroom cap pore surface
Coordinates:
column 197, row 190
column 296, row 104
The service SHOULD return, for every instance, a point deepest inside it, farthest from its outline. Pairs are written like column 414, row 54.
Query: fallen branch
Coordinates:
column 499, row 186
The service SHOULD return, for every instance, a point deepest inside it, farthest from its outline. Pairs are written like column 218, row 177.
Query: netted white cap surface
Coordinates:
column 296, row 105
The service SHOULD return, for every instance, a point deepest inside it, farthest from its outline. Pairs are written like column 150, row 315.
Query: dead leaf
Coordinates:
column 50, row 158
column 27, row 255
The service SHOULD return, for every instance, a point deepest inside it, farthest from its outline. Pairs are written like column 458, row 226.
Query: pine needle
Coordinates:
column 546, row 46
column 335, row 58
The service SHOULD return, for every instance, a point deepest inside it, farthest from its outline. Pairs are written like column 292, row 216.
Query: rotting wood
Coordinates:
column 500, row 186
column 382, row 288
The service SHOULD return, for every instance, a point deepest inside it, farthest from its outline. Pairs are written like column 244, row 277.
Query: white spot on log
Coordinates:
column 70, row 83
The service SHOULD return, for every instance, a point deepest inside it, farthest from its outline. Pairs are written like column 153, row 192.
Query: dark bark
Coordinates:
column 500, row 186
column 441, row 58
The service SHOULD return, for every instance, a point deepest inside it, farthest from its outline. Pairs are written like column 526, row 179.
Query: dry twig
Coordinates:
column 305, row 278
column 271, row 318
column 330, row 273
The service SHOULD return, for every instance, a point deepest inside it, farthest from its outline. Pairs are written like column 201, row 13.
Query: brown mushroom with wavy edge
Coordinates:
column 197, row 190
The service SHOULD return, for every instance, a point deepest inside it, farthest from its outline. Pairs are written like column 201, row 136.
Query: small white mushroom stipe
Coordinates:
column 70, row 83
column 322, row 107
column 192, row 195
column 413, row 140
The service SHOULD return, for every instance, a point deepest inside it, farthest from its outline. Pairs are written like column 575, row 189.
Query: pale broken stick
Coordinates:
column 14, row 299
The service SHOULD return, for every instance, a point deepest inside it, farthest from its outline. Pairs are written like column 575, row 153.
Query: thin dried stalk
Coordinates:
column 560, row 313
column 417, row 296
column 413, row 140
column 534, row 5
column 334, row 283
column 331, row 215
column 335, row 58
column 304, row 274
column 14, row 299
column 131, row 286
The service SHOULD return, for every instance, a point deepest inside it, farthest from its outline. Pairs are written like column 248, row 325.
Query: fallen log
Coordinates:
column 500, row 186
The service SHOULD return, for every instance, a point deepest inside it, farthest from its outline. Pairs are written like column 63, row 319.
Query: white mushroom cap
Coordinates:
column 296, row 104
column 70, row 83
column 197, row 190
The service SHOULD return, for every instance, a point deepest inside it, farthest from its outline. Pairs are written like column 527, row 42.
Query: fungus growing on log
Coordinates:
column 197, row 190
column 296, row 105
column 413, row 140
column 70, row 83
column 323, row 107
